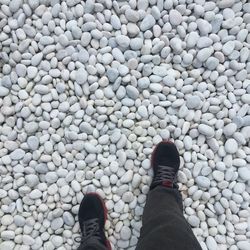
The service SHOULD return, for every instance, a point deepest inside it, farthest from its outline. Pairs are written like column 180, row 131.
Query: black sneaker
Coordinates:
column 165, row 161
column 92, row 216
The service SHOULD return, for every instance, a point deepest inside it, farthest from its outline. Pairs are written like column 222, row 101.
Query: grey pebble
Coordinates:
column 57, row 223
column 123, row 41
column 132, row 15
column 32, row 180
column 3, row 91
column 160, row 112
column 193, row 102
column 204, row 54
column 36, row 59
column 206, row 130
column 33, row 142
column 112, row 74
column 202, row 181
column 81, row 76
column 68, row 219
column 175, row 17
column 35, row 194
column 132, row 92
column 147, row 23
column 17, row 154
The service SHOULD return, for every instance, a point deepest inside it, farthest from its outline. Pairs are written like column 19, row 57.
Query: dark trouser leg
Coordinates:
column 92, row 245
column 163, row 224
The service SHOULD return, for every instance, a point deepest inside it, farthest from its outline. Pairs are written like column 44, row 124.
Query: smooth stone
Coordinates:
column 118, row 207
column 206, row 130
column 204, row 54
column 218, row 175
column 3, row 193
column 76, row 186
column 19, row 220
column 231, row 146
column 90, row 148
column 76, row 32
column 176, row 44
column 36, row 59
column 115, row 22
column 83, row 56
column 132, row 92
column 244, row 173
column 6, row 82
column 193, row 102
column 211, row 243
column 160, row 112
column 14, row 5
column 32, row 180
column 147, row 23
column 193, row 220
column 35, row 194
column 239, row 188
column 21, row 70
column 132, row 29
column 32, row 72
column 68, row 219
column 228, row 47
column 143, row 112
column 56, row 223
column 192, row 39
column 125, row 233
column 128, row 197
column 86, row 128
column 202, row 181
column 230, row 129
column 33, row 142
column 225, row 3
column 204, row 42
column 105, row 181
column 41, row 168
column 246, row 98
column 175, row 17
column 160, row 71
column 212, row 63
column 136, row 43
column 57, row 241
column 136, row 180
column 127, row 177
column 123, row 41
column 7, row 245
column 7, row 235
column 17, row 154
column 132, row 15
column 81, row 76
column 3, row 91
column 243, row 245
column 204, row 26
column 112, row 74
column 6, row 220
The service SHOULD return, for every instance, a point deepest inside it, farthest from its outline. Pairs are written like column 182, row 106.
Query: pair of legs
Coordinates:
column 163, row 223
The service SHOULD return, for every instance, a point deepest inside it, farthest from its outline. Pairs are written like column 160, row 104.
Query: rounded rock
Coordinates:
column 175, row 17
column 231, row 146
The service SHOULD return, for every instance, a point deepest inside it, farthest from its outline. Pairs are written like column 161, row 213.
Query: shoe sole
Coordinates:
column 108, row 245
column 153, row 153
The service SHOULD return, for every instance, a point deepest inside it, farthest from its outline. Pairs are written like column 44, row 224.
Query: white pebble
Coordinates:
column 231, row 146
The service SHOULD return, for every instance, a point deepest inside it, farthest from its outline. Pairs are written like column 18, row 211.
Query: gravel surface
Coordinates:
column 87, row 88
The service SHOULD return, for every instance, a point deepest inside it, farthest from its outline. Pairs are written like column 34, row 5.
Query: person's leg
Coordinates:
column 92, row 216
column 163, row 224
